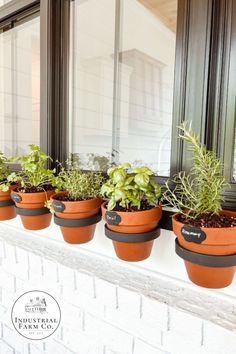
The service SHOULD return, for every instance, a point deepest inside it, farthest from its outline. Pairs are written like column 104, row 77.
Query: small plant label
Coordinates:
column 193, row 234
column 16, row 198
column 113, row 218
column 58, row 206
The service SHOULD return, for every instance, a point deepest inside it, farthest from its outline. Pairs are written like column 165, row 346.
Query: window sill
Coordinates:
column 162, row 276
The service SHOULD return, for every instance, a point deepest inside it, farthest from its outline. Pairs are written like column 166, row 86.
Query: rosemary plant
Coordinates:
column 199, row 191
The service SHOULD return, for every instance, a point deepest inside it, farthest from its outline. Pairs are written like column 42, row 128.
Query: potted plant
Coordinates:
column 36, row 187
column 7, row 206
column 132, row 212
column 77, row 208
column 206, row 235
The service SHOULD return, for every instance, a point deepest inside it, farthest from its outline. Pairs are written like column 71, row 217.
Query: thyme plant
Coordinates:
column 79, row 185
column 199, row 191
column 130, row 189
column 34, row 174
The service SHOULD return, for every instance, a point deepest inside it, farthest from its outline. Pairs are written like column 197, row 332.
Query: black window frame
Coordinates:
column 13, row 14
column 221, row 129
column 204, row 91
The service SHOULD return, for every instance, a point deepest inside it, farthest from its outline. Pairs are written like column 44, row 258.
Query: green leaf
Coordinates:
column 111, row 205
column 119, row 176
column 106, row 190
column 129, row 180
column 128, row 187
column 141, row 179
column 144, row 169
column 4, row 187
column 111, row 170
column 125, row 166
column 119, row 194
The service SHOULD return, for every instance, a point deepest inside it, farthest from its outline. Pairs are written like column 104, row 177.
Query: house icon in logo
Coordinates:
column 36, row 306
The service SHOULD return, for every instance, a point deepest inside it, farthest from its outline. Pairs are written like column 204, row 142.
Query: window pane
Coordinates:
column 3, row 2
column 126, row 116
column 19, row 87
column 147, row 57
column 234, row 161
column 92, row 44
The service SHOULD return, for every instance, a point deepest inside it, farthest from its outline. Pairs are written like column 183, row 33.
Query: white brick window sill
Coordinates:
column 161, row 277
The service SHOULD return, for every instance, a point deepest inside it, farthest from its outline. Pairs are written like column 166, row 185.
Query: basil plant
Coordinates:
column 131, row 190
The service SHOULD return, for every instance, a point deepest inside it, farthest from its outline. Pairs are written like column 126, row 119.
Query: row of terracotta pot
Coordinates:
column 209, row 253
column 132, row 233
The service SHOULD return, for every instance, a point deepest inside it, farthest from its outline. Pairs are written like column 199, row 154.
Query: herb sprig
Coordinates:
column 200, row 190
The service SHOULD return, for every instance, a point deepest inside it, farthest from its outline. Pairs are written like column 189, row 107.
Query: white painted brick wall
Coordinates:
column 99, row 317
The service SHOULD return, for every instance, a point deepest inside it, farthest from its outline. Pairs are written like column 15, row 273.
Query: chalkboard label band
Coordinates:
column 112, row 218
column 58, row 206
column 193, row 234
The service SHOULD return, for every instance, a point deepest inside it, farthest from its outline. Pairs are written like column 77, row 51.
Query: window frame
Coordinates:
column 13, row 14
column 55, row 27
column 203, row 40
column 13, row 10
column 221, row 127
column 54, row 67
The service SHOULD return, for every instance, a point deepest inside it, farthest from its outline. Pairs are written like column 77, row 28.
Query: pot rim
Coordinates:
column 130, row 212
column 72, row 201
column 33, row 193
column 205, row 228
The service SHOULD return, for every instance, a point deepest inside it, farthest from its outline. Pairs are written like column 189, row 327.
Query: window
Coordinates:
column 122, row 78
column 110, row 80
column 19, row 87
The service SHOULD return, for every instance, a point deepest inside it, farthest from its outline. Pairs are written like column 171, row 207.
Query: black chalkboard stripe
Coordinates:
column 132, row 238
column 204, row 259
column 77, row 222
column 5, row 203
column 32, row 212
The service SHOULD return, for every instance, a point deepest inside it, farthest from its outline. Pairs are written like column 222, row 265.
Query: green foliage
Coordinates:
column 4, row 172
column 130, row 190
column 199, row 191
column 79, row 185
column 33, row 171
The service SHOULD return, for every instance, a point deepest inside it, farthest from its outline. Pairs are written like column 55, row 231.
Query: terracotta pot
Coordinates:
column 210, row 277
column 7, row 212
column 83, row 213
column 130, row 223
column 219, row 243
column 27, row 203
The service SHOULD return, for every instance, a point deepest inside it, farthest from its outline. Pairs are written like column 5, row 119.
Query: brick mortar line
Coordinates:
column 170, row 291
